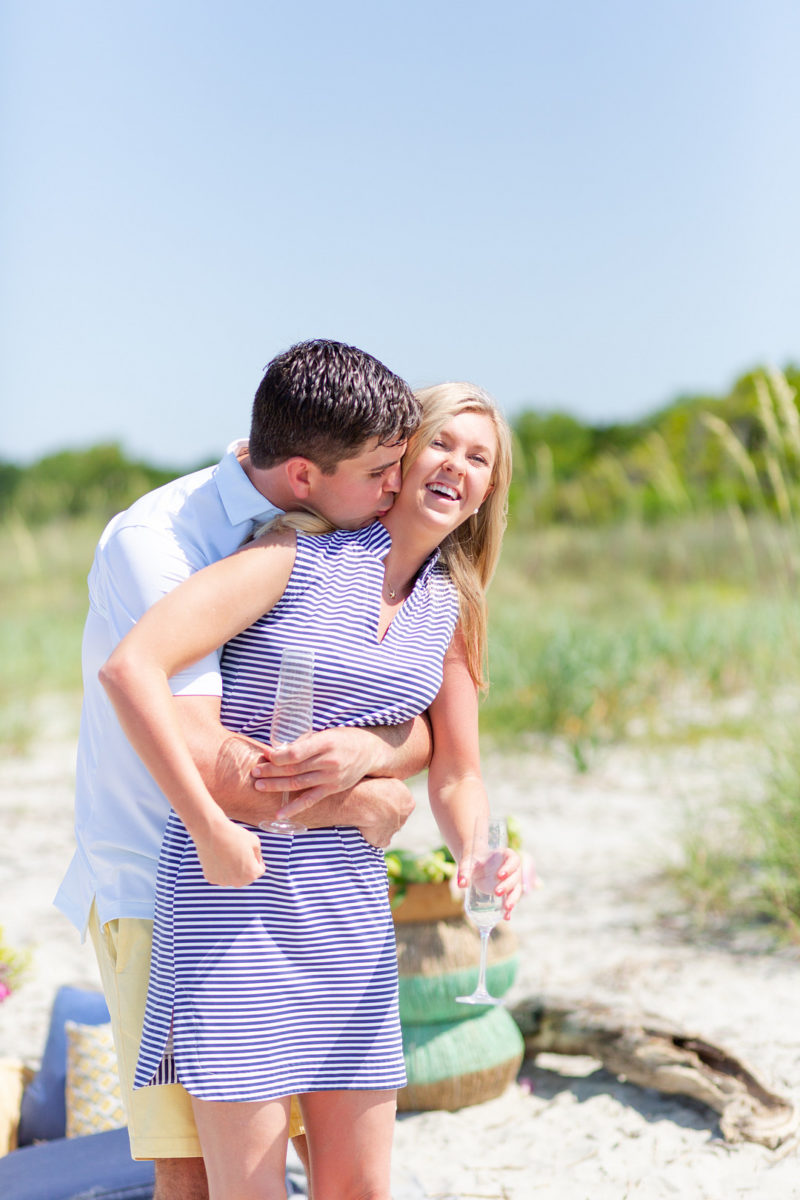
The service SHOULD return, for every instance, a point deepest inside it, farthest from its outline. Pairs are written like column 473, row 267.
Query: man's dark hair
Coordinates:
column 324, row 400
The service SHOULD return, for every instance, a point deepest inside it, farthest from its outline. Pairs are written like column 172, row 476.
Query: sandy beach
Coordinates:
column 602, row 926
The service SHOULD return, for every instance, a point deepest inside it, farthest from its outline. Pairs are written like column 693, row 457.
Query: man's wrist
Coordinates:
column 250, row 810
column 383, row 751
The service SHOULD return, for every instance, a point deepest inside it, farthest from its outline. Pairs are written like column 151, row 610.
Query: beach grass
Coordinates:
column 596, row 635
column 739, row 868
column 751, row 873
column 632, row 631
column 43, row 602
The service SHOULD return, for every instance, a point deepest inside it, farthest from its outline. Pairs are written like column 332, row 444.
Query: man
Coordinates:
column 329, row 427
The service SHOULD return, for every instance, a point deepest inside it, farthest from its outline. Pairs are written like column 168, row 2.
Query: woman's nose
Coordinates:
column 456, row 462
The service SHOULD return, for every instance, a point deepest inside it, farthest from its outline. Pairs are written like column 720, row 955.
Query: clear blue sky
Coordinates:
column 589, row 206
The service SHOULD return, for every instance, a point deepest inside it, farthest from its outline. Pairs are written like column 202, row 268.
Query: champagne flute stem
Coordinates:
column 484, row 948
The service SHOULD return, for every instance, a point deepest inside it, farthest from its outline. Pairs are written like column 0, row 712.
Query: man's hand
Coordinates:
column 377, row 808
column 324, row 763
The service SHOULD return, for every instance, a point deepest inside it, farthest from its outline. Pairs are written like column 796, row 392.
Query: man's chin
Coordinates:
column 353, row 525
column 365, row 521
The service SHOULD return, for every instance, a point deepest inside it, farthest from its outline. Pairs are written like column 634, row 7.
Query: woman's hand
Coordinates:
column 229, row 854
column 509, row 884
column 509, row 879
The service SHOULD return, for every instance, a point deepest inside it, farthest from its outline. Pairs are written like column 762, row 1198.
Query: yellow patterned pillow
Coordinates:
column 92, row 1092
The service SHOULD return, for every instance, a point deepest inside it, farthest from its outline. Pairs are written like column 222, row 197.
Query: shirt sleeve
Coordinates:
column 140, row 565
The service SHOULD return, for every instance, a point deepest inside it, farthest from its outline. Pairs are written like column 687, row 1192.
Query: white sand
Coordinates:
column 568, row 1129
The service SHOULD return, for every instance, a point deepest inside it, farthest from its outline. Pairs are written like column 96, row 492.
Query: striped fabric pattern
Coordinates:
column 332, row 601
column 290, row 985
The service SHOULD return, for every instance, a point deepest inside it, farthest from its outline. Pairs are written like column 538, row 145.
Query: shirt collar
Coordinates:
column 428, row 565
column 242, row 502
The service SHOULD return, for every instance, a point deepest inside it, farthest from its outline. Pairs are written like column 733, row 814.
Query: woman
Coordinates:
column 288, row 984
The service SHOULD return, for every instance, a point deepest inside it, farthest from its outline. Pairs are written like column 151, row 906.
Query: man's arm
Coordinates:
column 335, row 760
column 334, row 795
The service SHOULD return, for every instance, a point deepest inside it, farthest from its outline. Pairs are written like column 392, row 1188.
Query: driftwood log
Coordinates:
column 651, row 1052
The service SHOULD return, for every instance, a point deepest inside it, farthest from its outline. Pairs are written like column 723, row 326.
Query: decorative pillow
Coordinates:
column 43, row 1111
column 13, row 1077
column 94, row 1103
column 93, row 1168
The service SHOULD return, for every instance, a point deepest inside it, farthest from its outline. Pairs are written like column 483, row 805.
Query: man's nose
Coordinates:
column 393, row 479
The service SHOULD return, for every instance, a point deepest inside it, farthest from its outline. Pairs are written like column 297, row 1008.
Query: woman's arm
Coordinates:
column 197, row 617
column 455, row 785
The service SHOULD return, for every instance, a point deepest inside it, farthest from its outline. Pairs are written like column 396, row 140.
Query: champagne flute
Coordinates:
column 481, row 904
column 292, row 716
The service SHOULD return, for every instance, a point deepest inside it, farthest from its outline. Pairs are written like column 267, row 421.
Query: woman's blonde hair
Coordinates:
column 471, row 551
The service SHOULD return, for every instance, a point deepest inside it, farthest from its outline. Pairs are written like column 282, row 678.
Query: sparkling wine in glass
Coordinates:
column 292, row 716
column 483, row 907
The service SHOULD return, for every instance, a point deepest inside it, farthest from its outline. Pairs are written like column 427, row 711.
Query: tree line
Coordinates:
column 699, row 452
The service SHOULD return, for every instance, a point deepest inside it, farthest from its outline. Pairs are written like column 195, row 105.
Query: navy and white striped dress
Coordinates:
column 290, row 984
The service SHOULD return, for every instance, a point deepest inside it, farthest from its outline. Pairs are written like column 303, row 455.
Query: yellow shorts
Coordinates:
column 160, row 1119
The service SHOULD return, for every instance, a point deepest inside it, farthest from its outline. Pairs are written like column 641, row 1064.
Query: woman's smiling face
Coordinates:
column 452, row 475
